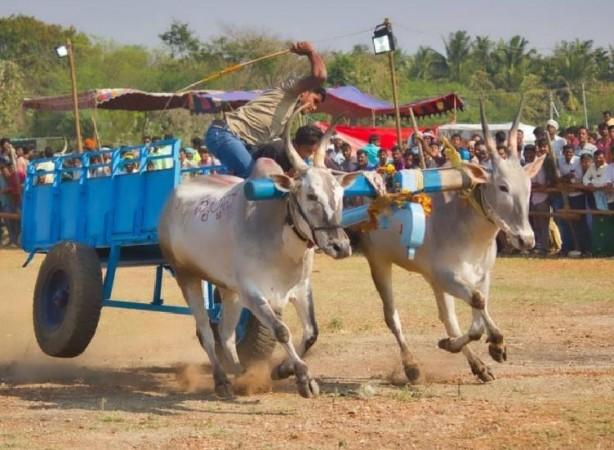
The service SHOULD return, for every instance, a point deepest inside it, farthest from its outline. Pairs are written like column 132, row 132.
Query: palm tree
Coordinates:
column 512, row 60
column 457, row 53
column 481, row 53
column 427, row 64
column 603, row 60
column 574, row 62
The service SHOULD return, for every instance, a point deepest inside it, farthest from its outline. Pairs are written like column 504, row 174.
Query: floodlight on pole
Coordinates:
column 383, row 39
column 385, row 42
column 63, row 51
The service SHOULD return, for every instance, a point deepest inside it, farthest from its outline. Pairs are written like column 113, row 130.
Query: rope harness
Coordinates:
column 292, row 222
column 475, row 197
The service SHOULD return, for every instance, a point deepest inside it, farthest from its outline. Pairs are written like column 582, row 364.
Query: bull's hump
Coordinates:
column 216, row 185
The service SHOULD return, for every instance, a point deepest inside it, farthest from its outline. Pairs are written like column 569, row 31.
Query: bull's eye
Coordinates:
column 312, row 197
column 503, row 188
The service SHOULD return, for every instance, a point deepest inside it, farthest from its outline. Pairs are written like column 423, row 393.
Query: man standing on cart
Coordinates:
column 263, row 119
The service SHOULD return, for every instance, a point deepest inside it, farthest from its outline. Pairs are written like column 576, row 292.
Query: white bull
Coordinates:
column 457, row 255
column 256, row 252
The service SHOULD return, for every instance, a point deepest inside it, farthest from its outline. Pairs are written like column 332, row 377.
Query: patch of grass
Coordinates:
column 335, row 325
column 12, row 444
column 410, row 393
column 111, row 419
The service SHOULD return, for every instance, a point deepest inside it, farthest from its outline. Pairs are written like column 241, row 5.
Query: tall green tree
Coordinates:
column 180, row 40
column 574, row 62
column 11, row 94
column 427, row 64
column 481, row 54
column 512, row 61
column 458, row 47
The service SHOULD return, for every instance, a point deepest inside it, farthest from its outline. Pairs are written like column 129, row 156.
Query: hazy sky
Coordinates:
column 328, row 23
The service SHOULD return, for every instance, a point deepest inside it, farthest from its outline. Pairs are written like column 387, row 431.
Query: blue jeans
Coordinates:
column 230, row 150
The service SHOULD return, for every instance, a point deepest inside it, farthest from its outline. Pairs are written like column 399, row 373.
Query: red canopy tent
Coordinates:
column 344, row 100
column 358, row 137
column 119, row 99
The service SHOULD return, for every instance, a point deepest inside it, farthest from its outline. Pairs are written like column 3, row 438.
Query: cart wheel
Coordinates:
column 254, row 341
column 67, row 299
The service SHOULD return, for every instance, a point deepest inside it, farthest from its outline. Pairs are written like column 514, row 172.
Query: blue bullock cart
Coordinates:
column 86, row 214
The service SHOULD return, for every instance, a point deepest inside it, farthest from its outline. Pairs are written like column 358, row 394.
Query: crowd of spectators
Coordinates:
column 583, row 169
column 13, row 167
column 583, row 163
column 15, row 159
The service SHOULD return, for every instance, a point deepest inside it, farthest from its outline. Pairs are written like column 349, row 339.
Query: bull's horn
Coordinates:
column 320, row 154
column 488, row 139
column 295, row 159
column 513, row 136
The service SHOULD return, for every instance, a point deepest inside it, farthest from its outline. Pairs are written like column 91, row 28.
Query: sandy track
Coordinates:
column 144, row 382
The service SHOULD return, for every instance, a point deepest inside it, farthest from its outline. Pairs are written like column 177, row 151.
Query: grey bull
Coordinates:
column 257, row 253
column 457, row 255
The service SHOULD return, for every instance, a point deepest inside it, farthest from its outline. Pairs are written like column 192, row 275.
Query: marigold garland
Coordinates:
column 381, row 204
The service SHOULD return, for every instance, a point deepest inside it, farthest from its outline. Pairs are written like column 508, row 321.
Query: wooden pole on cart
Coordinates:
column 75, row 99
column 96, row 135
column 14, row 216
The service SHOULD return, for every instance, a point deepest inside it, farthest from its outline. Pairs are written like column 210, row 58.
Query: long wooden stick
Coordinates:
column 233, row 68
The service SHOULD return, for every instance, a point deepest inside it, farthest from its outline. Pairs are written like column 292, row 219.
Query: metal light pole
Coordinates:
column 67, row 50
column 385, row 42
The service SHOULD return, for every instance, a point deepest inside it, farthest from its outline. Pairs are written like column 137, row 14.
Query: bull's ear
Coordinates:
column 282, row 182
column 347, row 179
column 476, row 173
column 532, row 168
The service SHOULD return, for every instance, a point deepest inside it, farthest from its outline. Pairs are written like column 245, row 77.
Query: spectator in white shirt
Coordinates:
column 570, row 169
column 598, row 176
column 557, row 142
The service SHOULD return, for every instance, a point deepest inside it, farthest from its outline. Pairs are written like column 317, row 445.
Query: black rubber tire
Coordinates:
column 257, row 345
column 79, row 266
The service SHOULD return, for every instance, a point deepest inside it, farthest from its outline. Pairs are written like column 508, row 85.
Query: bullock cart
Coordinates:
column 87, row 215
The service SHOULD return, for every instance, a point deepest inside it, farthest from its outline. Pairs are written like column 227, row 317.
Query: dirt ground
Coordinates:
column 144, row 382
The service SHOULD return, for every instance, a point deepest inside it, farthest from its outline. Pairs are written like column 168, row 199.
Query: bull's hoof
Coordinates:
column 412, row 372
column 483, row 372
column 308, row 388
column 224, row 390
column 448, row 345
column 282, row 371
column 498, row 352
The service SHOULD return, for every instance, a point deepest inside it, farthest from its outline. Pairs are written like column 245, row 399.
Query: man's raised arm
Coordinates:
column 318, row 68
